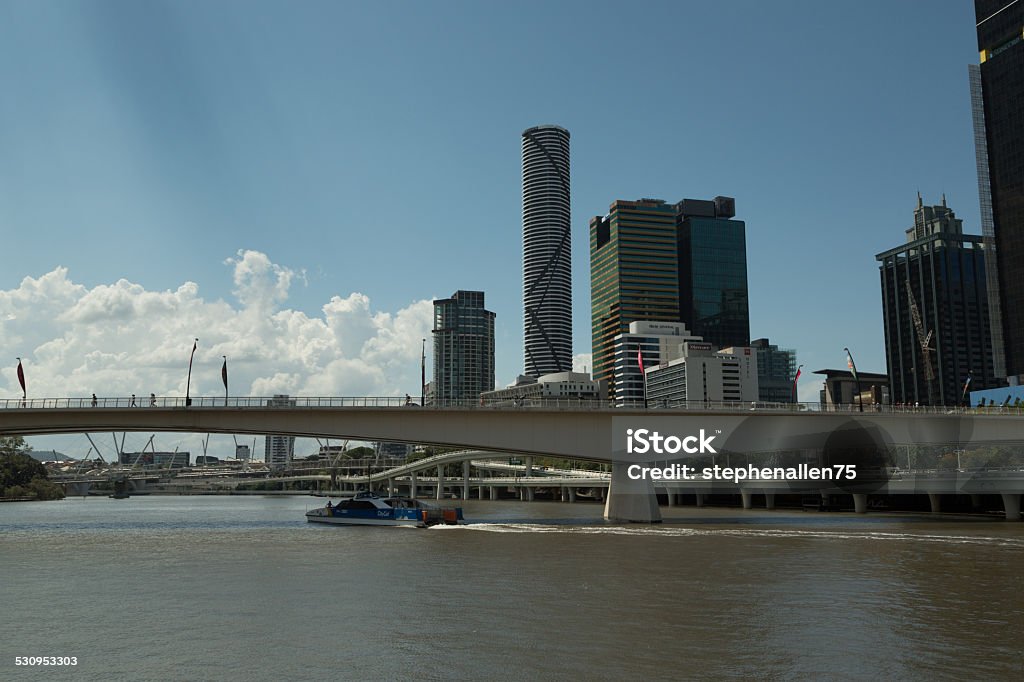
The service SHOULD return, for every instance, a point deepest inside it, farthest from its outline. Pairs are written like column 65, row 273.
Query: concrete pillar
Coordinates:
column 465, row 480
column 860, row 503
column 700, row 499
column 1011, row 503
column 529, row 493
column 563, row 494
column 529, row 467
column 412, row 485
column 769, row 500
column 630, row 500
column 934, row 501
column 440, row 482
column 671, row 495
column 391, row 487
column 572, row 494
column 748, row 498
column 480, row 492
column 494, row 493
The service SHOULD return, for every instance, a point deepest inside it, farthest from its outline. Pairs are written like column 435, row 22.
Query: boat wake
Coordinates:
column 775, row 533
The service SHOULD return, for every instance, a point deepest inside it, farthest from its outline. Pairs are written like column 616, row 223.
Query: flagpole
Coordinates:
column 188, row 382
column 853, row 369
column 796, row 396
column 423, row 374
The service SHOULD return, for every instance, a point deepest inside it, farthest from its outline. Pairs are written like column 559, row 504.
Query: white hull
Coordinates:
column 341, row 521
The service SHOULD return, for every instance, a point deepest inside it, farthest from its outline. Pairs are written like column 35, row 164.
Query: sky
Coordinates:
column 293, row 183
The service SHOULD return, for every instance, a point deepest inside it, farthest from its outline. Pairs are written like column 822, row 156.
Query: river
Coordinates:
column 242, row 588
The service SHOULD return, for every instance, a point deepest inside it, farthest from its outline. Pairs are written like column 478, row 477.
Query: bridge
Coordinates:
column 575, row 430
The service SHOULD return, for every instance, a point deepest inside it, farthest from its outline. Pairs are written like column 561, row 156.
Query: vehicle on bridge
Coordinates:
column 370, row 509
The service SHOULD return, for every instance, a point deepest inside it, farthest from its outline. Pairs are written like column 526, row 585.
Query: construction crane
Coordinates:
column 923, row 339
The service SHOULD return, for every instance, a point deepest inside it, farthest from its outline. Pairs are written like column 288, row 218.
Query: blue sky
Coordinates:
column 374, row 148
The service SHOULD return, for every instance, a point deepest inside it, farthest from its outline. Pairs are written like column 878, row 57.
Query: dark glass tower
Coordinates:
column 713, row 299
column 547, row 251
column 935, row 305
column 1000, row 25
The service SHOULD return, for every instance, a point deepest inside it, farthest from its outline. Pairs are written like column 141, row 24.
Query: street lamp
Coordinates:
column 853, row 370
column 188, row 382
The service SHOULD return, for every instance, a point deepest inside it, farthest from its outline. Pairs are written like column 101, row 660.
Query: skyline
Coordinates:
column 339, row 168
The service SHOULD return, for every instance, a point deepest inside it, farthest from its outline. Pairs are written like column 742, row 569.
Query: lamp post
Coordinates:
column 188, row 382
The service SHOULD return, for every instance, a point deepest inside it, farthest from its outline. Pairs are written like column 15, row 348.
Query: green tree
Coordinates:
column 21, row 475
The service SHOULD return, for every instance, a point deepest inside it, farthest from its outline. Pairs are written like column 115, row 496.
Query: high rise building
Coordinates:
column 463, row 348
column 278, row 450
column 547, row 251
column 713, row 271
column 776, row 371
column 997, row 93
column 935, row 304
column 654, row 261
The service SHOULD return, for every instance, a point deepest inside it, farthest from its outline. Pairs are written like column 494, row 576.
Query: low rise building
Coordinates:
column 703, row 375
column 557, row 386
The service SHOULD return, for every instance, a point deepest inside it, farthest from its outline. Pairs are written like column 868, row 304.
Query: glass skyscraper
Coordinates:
column 463, row 347
column 654, row 261
column 935, row 305
column 1000, row 27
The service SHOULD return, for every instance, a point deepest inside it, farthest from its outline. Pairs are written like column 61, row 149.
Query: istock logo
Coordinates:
column 642, row 441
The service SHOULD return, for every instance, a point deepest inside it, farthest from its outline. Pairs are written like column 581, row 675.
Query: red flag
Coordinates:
column 640, row 359
column 21, row 379
column 798, row 372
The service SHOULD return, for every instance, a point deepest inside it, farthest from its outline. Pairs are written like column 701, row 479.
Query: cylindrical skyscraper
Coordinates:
column 547, row 253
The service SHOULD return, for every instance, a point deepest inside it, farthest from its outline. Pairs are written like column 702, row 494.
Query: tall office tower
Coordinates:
column 713, row 271
column 463, row 348
column 776, row 370
column 547, row 251
column 634, row 275
column 278, row 450
column 935, row 304
column 1000, row 25
column 654, row 261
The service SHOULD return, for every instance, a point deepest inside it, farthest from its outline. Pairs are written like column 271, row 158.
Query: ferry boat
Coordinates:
column 370, row 509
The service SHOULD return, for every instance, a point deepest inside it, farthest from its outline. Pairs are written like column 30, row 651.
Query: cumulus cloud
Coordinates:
column 118, row 339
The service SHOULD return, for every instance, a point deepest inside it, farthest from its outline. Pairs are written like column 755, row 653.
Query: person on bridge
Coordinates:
column 133, row 400
column 152, row 399
column 94, row 400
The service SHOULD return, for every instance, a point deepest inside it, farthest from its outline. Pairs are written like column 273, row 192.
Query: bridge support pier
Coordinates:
column 465, row 480
column 391, row 487
column 494, row 493
column 700, row 499
column 412, row 485
column 1011, row 503
column 440, row 482
column 860, row 503
column 748, row 498
column 671, row 495
column 572, row 494
column 630, row 500
column 480, row 492
column 934, row 499
column 769, row 500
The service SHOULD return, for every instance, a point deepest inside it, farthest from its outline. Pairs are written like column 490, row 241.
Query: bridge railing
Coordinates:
column 567, row 404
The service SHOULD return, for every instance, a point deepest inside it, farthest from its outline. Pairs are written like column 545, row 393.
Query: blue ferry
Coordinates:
column 370, row 509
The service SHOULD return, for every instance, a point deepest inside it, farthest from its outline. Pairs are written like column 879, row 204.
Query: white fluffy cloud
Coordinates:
column 118, row 339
